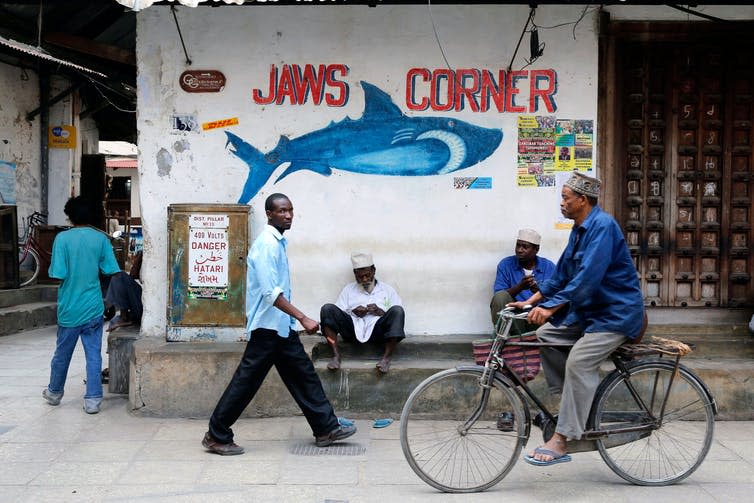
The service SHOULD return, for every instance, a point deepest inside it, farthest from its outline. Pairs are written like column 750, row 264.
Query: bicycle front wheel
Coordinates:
column 683, row 434
column 460, row 437
column 28, row 266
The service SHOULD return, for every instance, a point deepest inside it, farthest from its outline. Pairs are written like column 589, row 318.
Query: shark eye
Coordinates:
column 451, row 123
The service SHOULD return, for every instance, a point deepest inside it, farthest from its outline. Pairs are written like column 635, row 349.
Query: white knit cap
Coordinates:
column 530, row 236
column 361, row 259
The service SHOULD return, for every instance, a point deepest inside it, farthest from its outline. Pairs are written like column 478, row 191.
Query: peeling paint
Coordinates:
column 164, row 163
column 181, row 146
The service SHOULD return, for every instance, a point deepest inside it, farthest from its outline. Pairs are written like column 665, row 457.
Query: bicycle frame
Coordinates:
column 496, row 363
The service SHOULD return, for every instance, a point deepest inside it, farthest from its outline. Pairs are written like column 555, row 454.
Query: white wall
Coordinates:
column 438, row 246
column 19, row 139
column 20, row 142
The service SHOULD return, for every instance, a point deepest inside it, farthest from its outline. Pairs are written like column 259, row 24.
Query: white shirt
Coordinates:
column 353, row 295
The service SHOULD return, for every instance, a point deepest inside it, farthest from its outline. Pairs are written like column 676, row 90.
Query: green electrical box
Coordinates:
column 207, row 251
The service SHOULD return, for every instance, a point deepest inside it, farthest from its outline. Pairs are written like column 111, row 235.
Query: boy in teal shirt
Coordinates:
column 78, row 256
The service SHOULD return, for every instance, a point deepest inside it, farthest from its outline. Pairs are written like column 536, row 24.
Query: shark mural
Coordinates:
column 382, row 142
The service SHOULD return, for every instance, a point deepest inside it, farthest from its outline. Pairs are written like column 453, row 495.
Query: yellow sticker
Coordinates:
column 233, row 121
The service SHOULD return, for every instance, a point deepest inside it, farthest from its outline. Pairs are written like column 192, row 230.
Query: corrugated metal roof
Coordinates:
column 41, row 53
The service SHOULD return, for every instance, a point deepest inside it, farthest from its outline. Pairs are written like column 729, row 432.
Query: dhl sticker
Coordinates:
column 233, row 121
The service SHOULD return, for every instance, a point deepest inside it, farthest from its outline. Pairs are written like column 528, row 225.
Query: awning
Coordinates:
column 42, row 54
column 119, row 163
column 143, row 4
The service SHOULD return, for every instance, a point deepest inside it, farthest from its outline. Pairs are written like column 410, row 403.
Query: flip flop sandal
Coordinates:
column 344, row 422
column 381, row 423
column 556, row 458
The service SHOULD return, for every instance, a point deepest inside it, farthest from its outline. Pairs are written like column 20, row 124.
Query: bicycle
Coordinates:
column 30, row 250
column 652, row 419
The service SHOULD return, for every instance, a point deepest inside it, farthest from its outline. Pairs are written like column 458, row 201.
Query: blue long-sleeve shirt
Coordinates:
column 596, row 277
column 510, row 273
column 267, row 276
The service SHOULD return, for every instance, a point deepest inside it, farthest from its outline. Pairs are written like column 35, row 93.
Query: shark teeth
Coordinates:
column 456, row 146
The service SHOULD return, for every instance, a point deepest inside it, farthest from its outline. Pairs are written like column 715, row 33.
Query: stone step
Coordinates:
column 358, row 390
column 27, row 294
column 714, row 341
column 27, row 316
column 160, row 384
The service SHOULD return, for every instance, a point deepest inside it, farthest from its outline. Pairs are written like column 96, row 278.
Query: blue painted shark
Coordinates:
column 382, row 142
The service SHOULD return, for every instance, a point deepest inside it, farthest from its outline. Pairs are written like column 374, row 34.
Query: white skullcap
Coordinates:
column 530, row 236
column 360, row 259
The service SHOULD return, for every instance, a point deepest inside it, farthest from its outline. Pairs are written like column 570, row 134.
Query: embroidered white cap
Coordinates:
column 361, row 259
column 530, row 236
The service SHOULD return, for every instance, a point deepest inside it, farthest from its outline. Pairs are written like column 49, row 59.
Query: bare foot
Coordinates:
column 557, row 445
column 334, row 363
column 383, row 365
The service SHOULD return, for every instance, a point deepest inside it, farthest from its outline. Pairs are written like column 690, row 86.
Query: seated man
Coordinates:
column 124, row 293
column 517, row 275
column 366, row 310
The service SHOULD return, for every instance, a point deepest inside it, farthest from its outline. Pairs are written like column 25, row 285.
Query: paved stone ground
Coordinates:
column 61, row 454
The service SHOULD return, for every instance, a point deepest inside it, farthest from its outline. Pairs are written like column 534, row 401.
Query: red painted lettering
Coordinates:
column 546, row 93
column 330, row 98
column 511, row 91
column 438, row 77
column 256, row 94
column 466, row 94
column 491, row 89
column 411, row 77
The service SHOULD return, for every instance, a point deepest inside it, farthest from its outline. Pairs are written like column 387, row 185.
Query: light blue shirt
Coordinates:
column 267, row 276
column 78, row 256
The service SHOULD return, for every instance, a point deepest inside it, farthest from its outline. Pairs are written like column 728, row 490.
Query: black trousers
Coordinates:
column 389, row 326
column 265, row 349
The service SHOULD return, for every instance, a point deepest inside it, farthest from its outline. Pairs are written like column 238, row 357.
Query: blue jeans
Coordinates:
column 91, row 338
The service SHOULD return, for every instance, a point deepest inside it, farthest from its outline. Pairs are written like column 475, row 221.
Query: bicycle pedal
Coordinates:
column 539, row 420
column 505, row 421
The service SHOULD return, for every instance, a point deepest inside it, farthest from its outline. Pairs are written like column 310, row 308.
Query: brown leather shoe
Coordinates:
column 338, row 434
column 213, row 445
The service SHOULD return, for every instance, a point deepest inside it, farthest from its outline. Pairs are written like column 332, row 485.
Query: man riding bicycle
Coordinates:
column 593, row 301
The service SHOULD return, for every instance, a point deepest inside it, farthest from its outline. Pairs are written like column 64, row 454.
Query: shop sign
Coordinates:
column 61, row 137
column 202, row 81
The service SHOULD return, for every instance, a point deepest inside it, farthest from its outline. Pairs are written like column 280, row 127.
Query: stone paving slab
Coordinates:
column 60, row 454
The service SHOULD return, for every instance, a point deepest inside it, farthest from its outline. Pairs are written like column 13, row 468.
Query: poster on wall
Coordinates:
column 548, row 145
column 7, row 182
column 208, row 256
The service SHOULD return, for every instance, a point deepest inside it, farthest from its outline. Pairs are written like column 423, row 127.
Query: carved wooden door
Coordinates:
column 687, row 114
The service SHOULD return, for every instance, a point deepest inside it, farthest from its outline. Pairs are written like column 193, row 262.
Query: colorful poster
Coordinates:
column 548, row 145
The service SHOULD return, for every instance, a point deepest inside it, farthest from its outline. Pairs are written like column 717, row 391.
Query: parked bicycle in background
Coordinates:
column 30, row 251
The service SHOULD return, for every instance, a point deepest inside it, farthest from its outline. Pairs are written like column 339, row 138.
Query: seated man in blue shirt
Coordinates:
column 517, row 275
column 593, row 301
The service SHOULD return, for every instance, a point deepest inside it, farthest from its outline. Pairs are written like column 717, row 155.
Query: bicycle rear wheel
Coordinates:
column 457, row 439
column 28, row 266
column 678, row 446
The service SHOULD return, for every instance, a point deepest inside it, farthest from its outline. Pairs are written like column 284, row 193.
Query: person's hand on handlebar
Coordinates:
column 539, row 315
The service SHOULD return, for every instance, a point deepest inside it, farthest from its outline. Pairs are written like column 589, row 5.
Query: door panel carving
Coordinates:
column 689, row 107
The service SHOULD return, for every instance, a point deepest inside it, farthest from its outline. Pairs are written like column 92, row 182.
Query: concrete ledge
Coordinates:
column 27, row 317
column 187, row 379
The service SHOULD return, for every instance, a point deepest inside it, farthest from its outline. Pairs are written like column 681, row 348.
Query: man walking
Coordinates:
column 272, row 341
column 78, row 256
